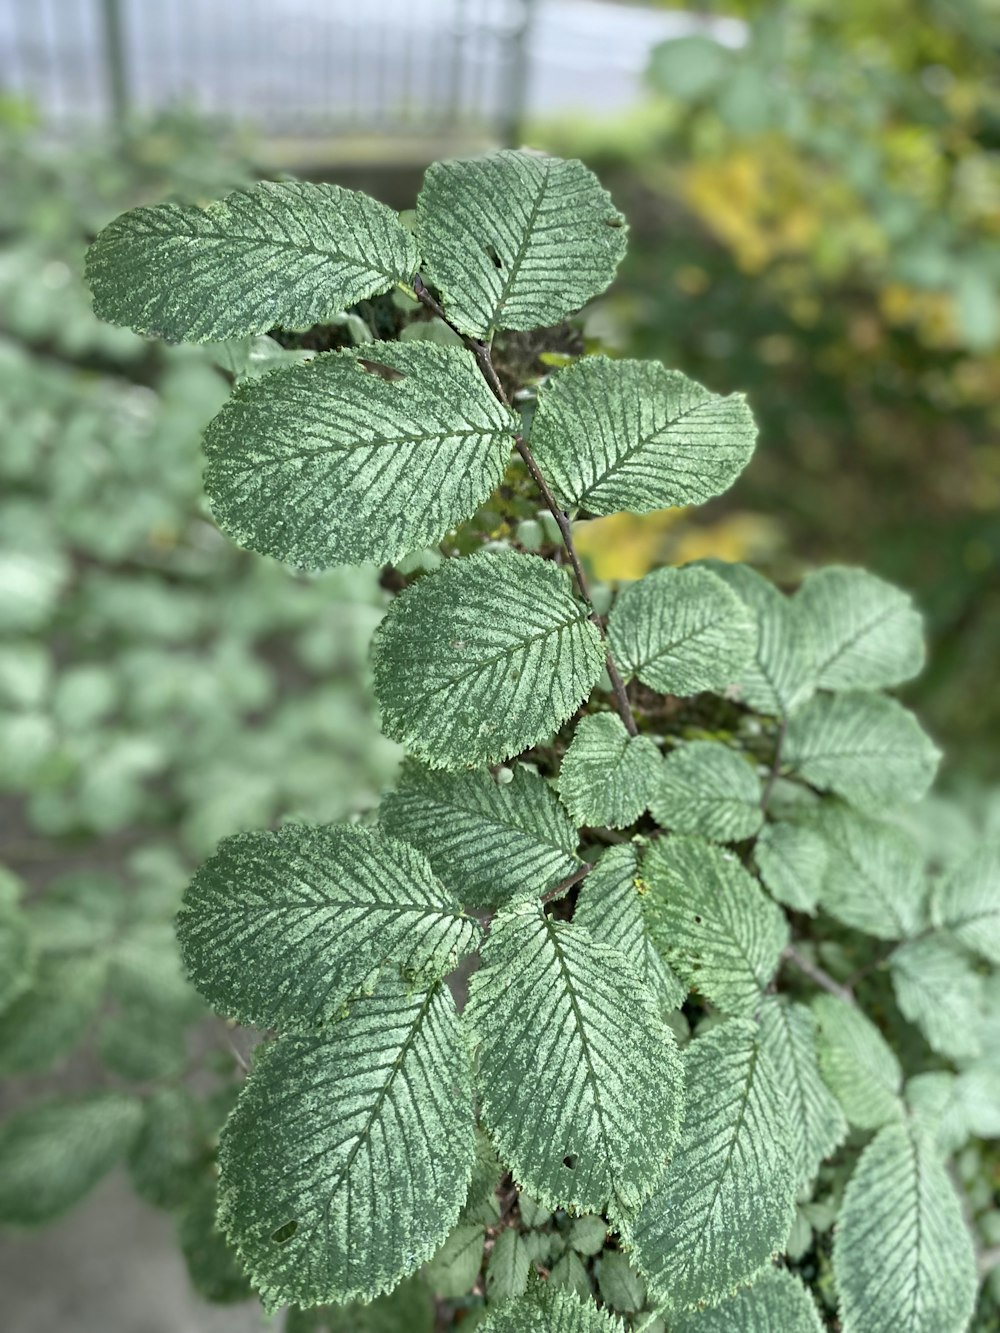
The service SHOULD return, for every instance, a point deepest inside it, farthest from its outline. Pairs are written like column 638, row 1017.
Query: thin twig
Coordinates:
column 772, row 776
column 564, row 885
column 817, row 974
column 481, row 351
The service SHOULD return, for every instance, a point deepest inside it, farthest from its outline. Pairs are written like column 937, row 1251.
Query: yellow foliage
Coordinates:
column 626, row 546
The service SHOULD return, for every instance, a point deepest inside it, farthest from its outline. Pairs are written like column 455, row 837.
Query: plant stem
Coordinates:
column 564, row 885
column 481, row 351
column 772, row 776
column 817, row 974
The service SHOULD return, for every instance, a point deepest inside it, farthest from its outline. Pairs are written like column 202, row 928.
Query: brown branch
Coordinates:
column 564, row 885
column 481, row 351
column 817, row 974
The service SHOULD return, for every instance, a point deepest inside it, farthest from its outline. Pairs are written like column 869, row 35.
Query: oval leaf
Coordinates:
column 483, row 659
column 579, row 1078
column 515, row 240
column 280, row 929
column 348, row 1156
column 607, row 776
column 285, row 254
column 331, row 463
column 867, row 634
column 681, row 631
column 632, row 435
column 705, row 787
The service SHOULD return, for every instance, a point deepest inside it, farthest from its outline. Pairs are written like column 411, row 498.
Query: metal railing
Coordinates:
column 287, row 67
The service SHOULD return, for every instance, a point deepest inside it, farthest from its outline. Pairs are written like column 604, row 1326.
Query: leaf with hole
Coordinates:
column 347, row 1159
column 516, row 240
column 578, row 1077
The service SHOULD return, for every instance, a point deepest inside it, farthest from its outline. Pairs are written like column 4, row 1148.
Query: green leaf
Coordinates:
column 49, row 1018
column 621, row 1286
column 330, row 462
column 902, row 1254
column 347, row 1158
column 874, row 878
column 17, row 954
column 938, row 990
column 588, row 1234
column 409, row 1308
column 689, row 68
column 170, row 1150
column 52, row 1154
column 552, row 1310
column 727, row 1200
column 609, row 905
column 938, row 1108
column 681, row 631
column 867, row 634
column 816, row 1122
column 516, row 240
column 244, row 358
column 712, row 921
column 859, row 1066
column 607, row 776
column 780, row 675
column 568, row 1271
column 281, row 253
column 280, row 929
column 213, row 1268
column 578, row 1077
column 632, row 435
column 488, row 842
column 792, row 862
column 484, row 658
column 967, row 901
column 454, row 1270
column 507, row 1270
column 705, row 787
column 865, row 747
column 776, row 1303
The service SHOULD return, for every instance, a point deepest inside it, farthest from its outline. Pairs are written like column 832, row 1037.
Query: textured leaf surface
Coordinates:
column 938, row 990
column 329, row 463
column 632, row 435
column 712, row 922
column 486, row 840
column 609, row 906
column 553, row 1311
column 816, row 1123
column 454, row 1270
column 213, row 1269
column 902, row 1255
column 484, row 658
column 507, row 1270
column 516, row 240
column 726, row 1202
column 52, row 1154
column 776, row 1303
column 280, row 929
column 780, row 675
column 865, row 747
column 607, row 776
column 792, row 861
column 858, row 1065
column 867, row 634
column 681, row 631
column 282, row 253
column 621, row 1286
column 967, row 901
column 874, row 878
column 705, row 787
column 348, row 1156
column 579, row 1079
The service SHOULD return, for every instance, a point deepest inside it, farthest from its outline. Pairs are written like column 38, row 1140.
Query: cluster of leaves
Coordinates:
column 641, row 1102
column 158, row 689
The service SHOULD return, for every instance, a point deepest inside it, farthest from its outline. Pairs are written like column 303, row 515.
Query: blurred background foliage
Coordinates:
column 815, row 221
